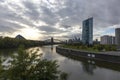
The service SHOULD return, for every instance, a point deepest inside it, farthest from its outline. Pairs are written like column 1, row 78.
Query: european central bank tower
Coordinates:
column 87, row 32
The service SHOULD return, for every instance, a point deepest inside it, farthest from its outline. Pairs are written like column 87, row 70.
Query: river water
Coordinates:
column 77, row 68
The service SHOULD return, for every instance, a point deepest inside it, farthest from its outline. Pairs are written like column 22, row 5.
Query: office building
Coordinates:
column 107, row 40
column 117, row 35
column 87, row 32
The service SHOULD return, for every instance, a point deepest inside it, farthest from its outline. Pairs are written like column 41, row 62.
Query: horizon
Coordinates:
column 62, row 19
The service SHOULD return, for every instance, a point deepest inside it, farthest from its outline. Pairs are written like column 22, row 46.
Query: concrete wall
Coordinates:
column 90, row 55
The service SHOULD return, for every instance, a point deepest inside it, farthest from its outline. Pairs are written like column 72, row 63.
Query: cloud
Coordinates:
column 6, row 26
column 50, row 30
column 1, row 0
column 59, row 17
column 31, row 10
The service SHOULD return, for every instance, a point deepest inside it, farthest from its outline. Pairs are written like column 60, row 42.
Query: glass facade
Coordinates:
column 117, row 35
column 87, row 31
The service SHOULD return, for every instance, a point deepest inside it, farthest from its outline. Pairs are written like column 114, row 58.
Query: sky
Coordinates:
column 61, row 19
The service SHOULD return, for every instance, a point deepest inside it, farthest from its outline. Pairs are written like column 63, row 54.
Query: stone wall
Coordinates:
column 90, row 55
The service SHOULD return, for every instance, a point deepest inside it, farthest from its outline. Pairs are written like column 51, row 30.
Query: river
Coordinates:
column 77, row 69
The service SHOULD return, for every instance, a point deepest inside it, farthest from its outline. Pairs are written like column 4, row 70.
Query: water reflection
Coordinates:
column 51, row 47
column 77, row 68
column 7, row 52
column 89, row 68
column 91, row 62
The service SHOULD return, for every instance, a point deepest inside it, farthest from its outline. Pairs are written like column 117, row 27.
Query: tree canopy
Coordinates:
column 29, row 66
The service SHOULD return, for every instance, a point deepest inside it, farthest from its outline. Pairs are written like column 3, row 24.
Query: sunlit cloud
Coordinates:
column 30, row 33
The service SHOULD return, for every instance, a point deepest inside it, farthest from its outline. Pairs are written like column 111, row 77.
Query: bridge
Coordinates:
column 53, row 41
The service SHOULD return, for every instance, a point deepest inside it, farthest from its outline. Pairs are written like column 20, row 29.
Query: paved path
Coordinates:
column 113, row 53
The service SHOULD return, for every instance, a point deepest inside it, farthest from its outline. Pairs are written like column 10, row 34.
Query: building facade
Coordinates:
column 113, row 40
column 87, row 32
column 107, row 40
column 117, row 35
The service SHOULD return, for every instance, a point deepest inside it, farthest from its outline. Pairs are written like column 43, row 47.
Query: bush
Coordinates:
column 29, row 66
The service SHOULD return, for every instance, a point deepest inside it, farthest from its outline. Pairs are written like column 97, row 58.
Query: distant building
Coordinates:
column 52, row 40
column 96, row 42
column 87, row 31
column 74, row 40
column 19, row 37
column 108, row 40
column 113, row 40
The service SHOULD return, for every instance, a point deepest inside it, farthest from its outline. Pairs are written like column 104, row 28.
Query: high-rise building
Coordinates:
column 108, row 40
column 87, row 31
column 117, row 36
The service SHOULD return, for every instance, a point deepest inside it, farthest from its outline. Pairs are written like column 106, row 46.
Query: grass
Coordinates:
column 80, row 48
column 94, row 48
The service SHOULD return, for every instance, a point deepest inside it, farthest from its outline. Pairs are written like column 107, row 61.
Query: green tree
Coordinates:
column 29, row 66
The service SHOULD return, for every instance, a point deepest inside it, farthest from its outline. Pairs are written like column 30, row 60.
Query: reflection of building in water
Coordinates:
column 51, row 47
column 89, row 68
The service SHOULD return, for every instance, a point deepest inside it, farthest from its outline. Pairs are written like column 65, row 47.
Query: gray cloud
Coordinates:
column 73, row 35
column 48, row 16
column 2, row 0
column 9, row 27
column 66, row 13
column 104, row 13
column 31, row 10
column 49, row 29
column 8, row 14
column 66, row 26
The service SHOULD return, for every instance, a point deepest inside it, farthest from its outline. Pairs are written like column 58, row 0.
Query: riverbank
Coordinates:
column 11, row 43
column 112, row 56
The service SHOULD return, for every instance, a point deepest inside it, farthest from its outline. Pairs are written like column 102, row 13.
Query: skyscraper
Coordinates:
column 87, row 31
column 117, row 36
